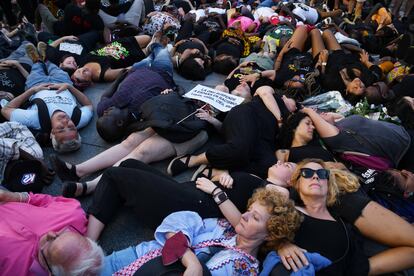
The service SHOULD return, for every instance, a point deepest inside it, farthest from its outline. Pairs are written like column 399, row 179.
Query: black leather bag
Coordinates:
column 162, row 114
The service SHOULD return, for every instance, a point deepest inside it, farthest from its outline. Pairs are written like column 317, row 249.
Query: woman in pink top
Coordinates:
column 243, row 20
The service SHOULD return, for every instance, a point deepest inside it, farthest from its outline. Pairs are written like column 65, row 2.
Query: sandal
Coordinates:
column 62, row 170
column 70, row 188
column 200, row 172
column 177, row 166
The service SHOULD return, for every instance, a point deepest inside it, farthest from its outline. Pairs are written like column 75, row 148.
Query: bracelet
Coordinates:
column 217, row 187
column 323, row 63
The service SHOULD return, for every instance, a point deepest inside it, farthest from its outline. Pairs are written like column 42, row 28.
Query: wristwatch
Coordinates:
column 220, row 197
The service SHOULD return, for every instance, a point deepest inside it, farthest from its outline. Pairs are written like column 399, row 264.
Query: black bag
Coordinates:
column 162, row 114
column 23, row 176
column 43, row 135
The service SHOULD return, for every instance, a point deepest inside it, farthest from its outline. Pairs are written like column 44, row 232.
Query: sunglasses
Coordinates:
column 69, row 228
column 309, row 173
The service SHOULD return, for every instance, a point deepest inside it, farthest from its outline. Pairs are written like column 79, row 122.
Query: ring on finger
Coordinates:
column 288, row 257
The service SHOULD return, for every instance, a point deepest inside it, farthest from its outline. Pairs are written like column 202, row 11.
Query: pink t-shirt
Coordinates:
column 245, row 22
column 22, row 225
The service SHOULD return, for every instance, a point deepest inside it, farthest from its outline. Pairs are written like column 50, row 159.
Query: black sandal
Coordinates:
column 200, row 172
column 177, row 166
column 70, row 187
column 61, row 169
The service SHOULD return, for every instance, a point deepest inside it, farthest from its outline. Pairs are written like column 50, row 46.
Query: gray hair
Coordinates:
column 89, row 262
column 66, row 146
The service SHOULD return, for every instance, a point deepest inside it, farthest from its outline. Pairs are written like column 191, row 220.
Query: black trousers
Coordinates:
column 153, row 195
column 249, row 143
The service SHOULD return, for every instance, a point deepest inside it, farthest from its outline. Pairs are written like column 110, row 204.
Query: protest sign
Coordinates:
column 220, row 100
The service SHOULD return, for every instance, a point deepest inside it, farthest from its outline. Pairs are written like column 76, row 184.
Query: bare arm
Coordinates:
column 112, row 74
column 189, row 260
column 324, row 128
column 15, row 64
column 114, row 86
column 229, row 210
column 18, row 101
column 82, row 99
column 56, row 43
column 266, row 94
column 385, row 227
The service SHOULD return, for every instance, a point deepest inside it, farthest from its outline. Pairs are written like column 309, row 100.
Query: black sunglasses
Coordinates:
column 67, row 228
column 309, row 173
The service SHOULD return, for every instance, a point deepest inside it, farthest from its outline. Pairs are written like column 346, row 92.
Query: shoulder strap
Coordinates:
column 76, row 115
column 43, row 113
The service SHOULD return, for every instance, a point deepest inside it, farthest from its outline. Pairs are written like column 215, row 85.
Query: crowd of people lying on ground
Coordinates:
column 315, row 162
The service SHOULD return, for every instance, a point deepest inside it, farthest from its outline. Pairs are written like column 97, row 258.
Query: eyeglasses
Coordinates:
column 309, row 173
column 68, row 228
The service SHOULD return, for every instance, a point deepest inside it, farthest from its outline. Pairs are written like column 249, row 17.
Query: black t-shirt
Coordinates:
column 233, row 49
column 294, row 63
column 121, row 53
column 339, row 60
column 312, row 150
column 55, row 55
column 336, row 241
column 11, row 80
column 190, row 45
column 78, row 21
column 234, row 80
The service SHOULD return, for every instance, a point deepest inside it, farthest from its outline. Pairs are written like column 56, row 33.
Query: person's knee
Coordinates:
column 132, row 141
column 144, row 154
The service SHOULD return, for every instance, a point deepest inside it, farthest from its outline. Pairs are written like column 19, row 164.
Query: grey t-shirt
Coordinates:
column 375, row 138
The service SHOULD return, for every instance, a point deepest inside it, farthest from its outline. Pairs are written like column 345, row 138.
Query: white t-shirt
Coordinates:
column 263, row 12
column 63, row 101
column 307, row 14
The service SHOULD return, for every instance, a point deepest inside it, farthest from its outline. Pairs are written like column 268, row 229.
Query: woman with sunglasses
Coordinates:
column 324, row 231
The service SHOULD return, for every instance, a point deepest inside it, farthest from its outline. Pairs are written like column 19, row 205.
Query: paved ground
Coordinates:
column 125, row 229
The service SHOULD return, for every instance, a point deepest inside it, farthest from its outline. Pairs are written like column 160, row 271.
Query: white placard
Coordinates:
column 220, row 100
column 71, row 48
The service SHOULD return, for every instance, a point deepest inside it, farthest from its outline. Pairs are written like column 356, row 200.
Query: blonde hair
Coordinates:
column 339, row 182
column 284, row 218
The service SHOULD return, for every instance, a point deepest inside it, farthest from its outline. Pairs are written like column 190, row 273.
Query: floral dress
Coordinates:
column 158, row 20
column 204, row 236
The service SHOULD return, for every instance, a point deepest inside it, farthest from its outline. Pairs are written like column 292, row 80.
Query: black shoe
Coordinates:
column 70, row 188
column 61, row 169
column 177, row 166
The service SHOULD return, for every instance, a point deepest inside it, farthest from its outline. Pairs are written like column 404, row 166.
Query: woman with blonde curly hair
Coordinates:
column 213, row 246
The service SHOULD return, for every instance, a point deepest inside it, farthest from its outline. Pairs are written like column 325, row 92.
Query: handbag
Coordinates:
column 165, row 113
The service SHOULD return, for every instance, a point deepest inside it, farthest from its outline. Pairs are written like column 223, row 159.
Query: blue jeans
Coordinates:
column 20, row 54
column 158, row 59
column 38, row 75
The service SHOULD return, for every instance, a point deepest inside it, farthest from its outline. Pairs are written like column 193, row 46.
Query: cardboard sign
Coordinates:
column 220, row 100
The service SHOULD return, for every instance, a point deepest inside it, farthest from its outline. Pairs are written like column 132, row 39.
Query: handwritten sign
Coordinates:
column 220, row 100
column 71, row 48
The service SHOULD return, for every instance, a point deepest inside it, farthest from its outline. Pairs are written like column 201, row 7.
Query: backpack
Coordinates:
column 162, row 113
column 43, row 135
